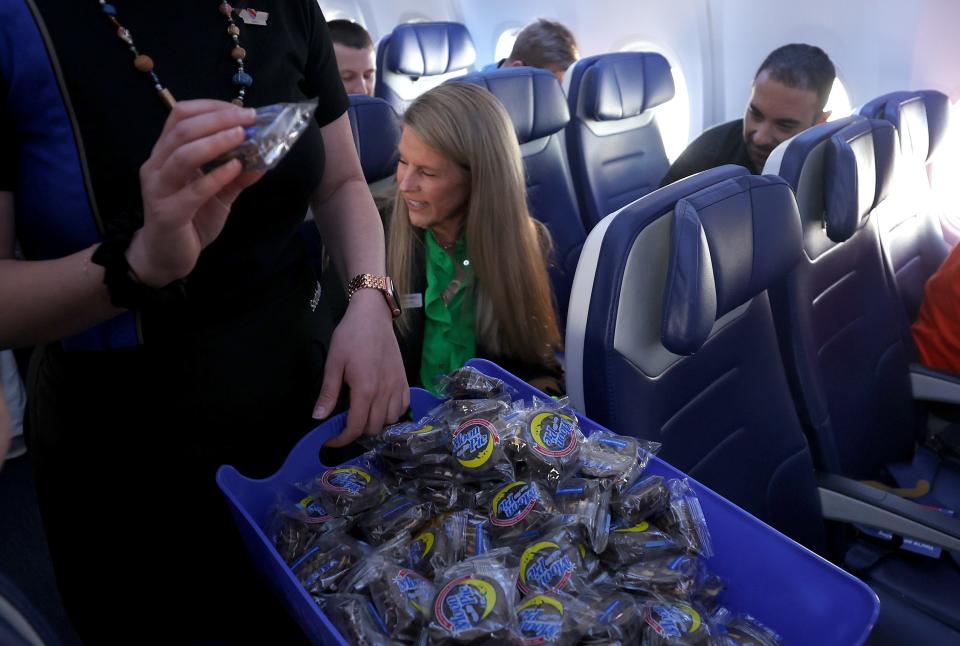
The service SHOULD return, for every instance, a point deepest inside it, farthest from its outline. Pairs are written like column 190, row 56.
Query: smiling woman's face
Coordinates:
column 434, row 187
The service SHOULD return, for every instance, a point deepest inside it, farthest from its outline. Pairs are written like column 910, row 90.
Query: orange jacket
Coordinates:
column 937, row 330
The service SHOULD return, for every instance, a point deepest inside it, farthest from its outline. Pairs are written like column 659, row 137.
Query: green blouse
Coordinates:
column 449, row 338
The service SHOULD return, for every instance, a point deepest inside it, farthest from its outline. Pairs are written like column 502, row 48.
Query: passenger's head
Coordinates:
column 460, row 173
column 790, row 91
column 356, row 58
column 545, row 44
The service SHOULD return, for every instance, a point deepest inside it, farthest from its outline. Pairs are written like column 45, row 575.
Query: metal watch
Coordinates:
column 382, row 284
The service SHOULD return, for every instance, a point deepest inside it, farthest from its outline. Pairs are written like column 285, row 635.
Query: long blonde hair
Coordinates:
column 507, row 248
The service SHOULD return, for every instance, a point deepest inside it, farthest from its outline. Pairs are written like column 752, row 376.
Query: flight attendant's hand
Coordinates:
column 364, row 354
column 184, row 209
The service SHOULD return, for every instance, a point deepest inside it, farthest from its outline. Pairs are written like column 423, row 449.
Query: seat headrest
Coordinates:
column 857, row 164
column 730, row 242
column 901, row 109
column 532, row 96
column 376, row 133
column 626, row 84
column 430, row 48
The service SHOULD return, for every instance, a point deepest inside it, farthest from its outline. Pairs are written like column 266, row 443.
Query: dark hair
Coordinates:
column 349, row 34
column 547, row 44
column 800, row 66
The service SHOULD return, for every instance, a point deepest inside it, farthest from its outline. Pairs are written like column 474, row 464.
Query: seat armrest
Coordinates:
column 847, row 500
column 930, row 384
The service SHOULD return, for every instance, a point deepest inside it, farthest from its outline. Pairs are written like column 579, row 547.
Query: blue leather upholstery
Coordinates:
column 723, row 255
column 538, row 108
column 723, row 413
column 845, row 338
column 626, row 85
column 376, row 133
column 614, row 145
column 910, row 231
column 418, row 56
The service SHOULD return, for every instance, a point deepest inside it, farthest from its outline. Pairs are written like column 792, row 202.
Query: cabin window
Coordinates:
column 944, row 170
column 505, row 43
column 838, row 103
column 673, row 117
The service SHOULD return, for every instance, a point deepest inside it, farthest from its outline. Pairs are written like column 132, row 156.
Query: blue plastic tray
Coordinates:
column 805, row 598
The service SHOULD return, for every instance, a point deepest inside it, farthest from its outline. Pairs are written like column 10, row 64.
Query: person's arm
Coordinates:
column 184, row 210
column 363, row 352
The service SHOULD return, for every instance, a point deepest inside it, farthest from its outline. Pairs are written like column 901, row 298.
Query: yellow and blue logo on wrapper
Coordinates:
column 408, row 428
column 345, row 480
column 473, row 443
column 544, row 566
column 313, row 510
column 540, row 619
column 512, row 503
column 464, row 603
column 414, row 587
column 673, row 620
column 642, row 526
column 420, row 547
column 554, row 434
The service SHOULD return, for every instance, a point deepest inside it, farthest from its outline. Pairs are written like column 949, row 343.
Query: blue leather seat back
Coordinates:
column 841, row 326
column 671, row 338
column 419, row 56
column 910, row 230
column 538, row 108
column 615, row 149
column 376, row 133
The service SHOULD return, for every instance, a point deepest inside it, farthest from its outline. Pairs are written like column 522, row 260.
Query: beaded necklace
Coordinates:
column 144, row 63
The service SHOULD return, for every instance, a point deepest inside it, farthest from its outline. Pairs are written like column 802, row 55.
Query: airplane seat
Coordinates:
column 538, row 110
column 613, row 141
column 846, row 344
column 671, row 338
column 419, row 56
column 910, row 230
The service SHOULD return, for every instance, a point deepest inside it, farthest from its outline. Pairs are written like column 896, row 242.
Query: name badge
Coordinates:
column 254, row 17
column 411, row 301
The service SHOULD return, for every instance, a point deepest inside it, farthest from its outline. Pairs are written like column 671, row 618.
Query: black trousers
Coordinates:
column 126, row 444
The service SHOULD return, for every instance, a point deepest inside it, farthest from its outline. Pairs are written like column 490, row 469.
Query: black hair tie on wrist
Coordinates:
column 124, row 286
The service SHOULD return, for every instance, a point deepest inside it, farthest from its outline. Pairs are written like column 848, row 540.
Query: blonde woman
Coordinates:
column 462, row 246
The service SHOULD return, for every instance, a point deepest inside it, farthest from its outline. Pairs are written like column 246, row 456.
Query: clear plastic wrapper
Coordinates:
column 548, row 440
column 743, row 630
column 675, row 576
column 349, row 489
column 553, row 619
column 640, row 542
column 588, row 501
column 475, row 601
column 670, row 622
column 357, row 619
column 684, row 519
column 409, row 440
column 517, row 508
column 469, row 534
column 618, row 458
column 400, row 513
column 295, row 526
column 552, row 563
column 470, row 383
column 430, row 550
column 453, row 411
column 641, row 500
column 618, row 619
column 478, row 443
column 322, row 567
column 401, row 595
column 276, row 129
